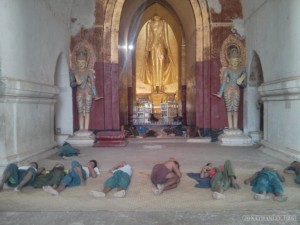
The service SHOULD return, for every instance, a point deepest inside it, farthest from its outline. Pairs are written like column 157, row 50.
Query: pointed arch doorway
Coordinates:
column 192, row 37
column 118, row 22
column 158, row 67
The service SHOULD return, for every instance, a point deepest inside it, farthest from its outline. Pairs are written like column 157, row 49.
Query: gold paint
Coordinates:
column 157, row 99
column 141, row 63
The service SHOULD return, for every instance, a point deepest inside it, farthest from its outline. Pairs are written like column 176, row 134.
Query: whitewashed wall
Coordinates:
column 272, row 30
column 33, row 34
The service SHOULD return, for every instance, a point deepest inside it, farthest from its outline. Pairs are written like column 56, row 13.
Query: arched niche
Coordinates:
column 63, row 106
column 253, row 118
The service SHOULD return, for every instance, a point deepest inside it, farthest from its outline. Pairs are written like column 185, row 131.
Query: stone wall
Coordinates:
column 33, row 35
column 272, row 32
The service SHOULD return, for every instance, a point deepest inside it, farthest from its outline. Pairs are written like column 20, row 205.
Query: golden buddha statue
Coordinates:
column 158, row 57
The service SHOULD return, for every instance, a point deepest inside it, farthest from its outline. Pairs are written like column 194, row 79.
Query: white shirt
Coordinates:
column 126, row 169
column 26, row 168
column 87, row 171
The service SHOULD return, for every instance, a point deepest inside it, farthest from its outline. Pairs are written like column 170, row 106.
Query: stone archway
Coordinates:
column 136, row 59
column 197, row 51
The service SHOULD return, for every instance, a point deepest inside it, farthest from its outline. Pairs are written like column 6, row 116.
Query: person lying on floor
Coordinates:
column 19, row 177
column 294, row 167
column 222, row 178
column 77, row 175
column 67, row 150
column 265, row 181
column 178, row 130
column 50, row 178
column 120, row 179
column 165, row 176
column 204, row 177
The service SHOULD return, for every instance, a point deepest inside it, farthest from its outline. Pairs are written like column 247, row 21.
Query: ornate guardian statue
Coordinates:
column 232, row 77
column 83, row 79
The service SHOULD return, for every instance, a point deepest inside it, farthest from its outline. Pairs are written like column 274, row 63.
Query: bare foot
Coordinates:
column 280, row 198
column 155, row 191
column 50, row 190
column 98, row 98
column 66, row 157
column 217, row 95
column 236, row 186
column 218, row 196
column 17, row 189
column 289, row 171
column 261, row 197
column 97, row 194
column 120, row 194
column 246, row 181
column 160, row 188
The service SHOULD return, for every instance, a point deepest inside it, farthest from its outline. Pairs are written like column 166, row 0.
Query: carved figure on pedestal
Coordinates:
column 83, row 79
column 158, row 57
column 233, row 77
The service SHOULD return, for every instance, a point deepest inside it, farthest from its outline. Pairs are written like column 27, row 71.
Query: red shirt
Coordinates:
column 213, row 171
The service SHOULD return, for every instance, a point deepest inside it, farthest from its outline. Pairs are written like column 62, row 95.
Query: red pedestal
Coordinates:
column 110, row 139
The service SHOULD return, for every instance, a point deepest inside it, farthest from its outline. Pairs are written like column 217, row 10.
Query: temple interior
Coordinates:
column 105, row 74
column 210, row 67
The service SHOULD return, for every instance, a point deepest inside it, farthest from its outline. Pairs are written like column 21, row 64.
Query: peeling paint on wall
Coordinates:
column 82, row 15
column 215, row 5
column 59, row 9
column 238, row 27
